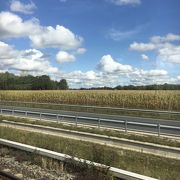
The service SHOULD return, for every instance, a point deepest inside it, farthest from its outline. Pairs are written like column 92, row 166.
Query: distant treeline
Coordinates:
column 145, row 87
column 9, row 81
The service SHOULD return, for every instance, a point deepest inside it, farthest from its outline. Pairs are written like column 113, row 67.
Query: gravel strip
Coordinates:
column 27, row 170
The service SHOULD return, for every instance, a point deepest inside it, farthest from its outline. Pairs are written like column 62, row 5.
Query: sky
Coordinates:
column 92, row 43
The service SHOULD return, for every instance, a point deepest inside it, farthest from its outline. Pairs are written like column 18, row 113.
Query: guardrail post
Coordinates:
column 26, row 113
column 57, row 118
column 159, row 129
column 125, row 126
column 62, row 117
column 1, row 111
column 76, row 119
column 40, row 115
column 13, row 111
column 99, row 122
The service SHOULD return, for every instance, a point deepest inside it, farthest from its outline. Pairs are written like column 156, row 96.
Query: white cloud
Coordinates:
column 12, row 25
column 109, row 72
column 31, row 60
column 125, row 2
column 169, row 53
column 178, row 78
column 168, row 38
column 144, row 57
column 146, row 77
column 63, row 56
column 81, row 51
column 117, row 35
column 99, row 79
column 91, row 75
column 155, row 72
column 162, row 45
column 109, row 65
column 59, row 37
column 18, row 6
column 6, row 51
column 142, row 46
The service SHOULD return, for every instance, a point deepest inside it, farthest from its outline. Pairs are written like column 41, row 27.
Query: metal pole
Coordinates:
column 125, row 126
column 76, row 119
column 57, row 117
column 99, row 122
column 159, row 129
column 26, row 113
column 40, row 116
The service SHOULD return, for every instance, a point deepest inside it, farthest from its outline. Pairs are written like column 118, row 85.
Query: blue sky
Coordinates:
column 92, row 42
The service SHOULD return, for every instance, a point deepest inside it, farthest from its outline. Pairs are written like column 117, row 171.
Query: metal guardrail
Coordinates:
column 97, row 107
column 122, row 143
column 119, row 173
column 99, row 122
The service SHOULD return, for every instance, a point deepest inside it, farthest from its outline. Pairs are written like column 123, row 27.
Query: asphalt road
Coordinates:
column 133, row 123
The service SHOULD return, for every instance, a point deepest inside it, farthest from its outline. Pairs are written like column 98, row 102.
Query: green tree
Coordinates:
column 63, row 84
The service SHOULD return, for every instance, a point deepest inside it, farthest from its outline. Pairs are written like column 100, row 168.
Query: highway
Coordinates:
column 103, row 120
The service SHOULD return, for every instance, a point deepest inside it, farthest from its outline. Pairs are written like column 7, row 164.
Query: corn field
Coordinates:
column 160, row 100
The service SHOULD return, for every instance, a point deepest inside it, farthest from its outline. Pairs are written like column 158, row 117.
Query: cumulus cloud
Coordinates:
column 30, row 60
column 109, row 65
column 142, row 46
column 163, row 46
column 144, row 57
column 18, row 6
column 12, row 25
column 59, row 37
column 146, row 77
column 125, row 2
column 170, row 53
column 63, row 56
column 178, row 78
column 155, row 72
column 6, row 51
column 100, row 79
column 109, row 72
column 168, row 38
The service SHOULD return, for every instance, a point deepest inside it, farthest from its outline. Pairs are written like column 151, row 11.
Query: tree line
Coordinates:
column 145, row 87
column 9, row 81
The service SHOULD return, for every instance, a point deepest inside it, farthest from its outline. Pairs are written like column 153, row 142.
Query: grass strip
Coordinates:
column 108, row 132
column 149, row 165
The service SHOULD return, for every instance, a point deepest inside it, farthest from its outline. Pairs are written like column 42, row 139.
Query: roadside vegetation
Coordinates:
column 154, row 166
column 94, row 130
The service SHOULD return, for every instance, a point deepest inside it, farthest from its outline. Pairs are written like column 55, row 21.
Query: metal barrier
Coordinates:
column 156, row 128
column 119, row 173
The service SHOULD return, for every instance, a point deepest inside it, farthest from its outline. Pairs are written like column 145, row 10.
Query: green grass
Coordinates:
column 162, row 168
column 114, row 133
